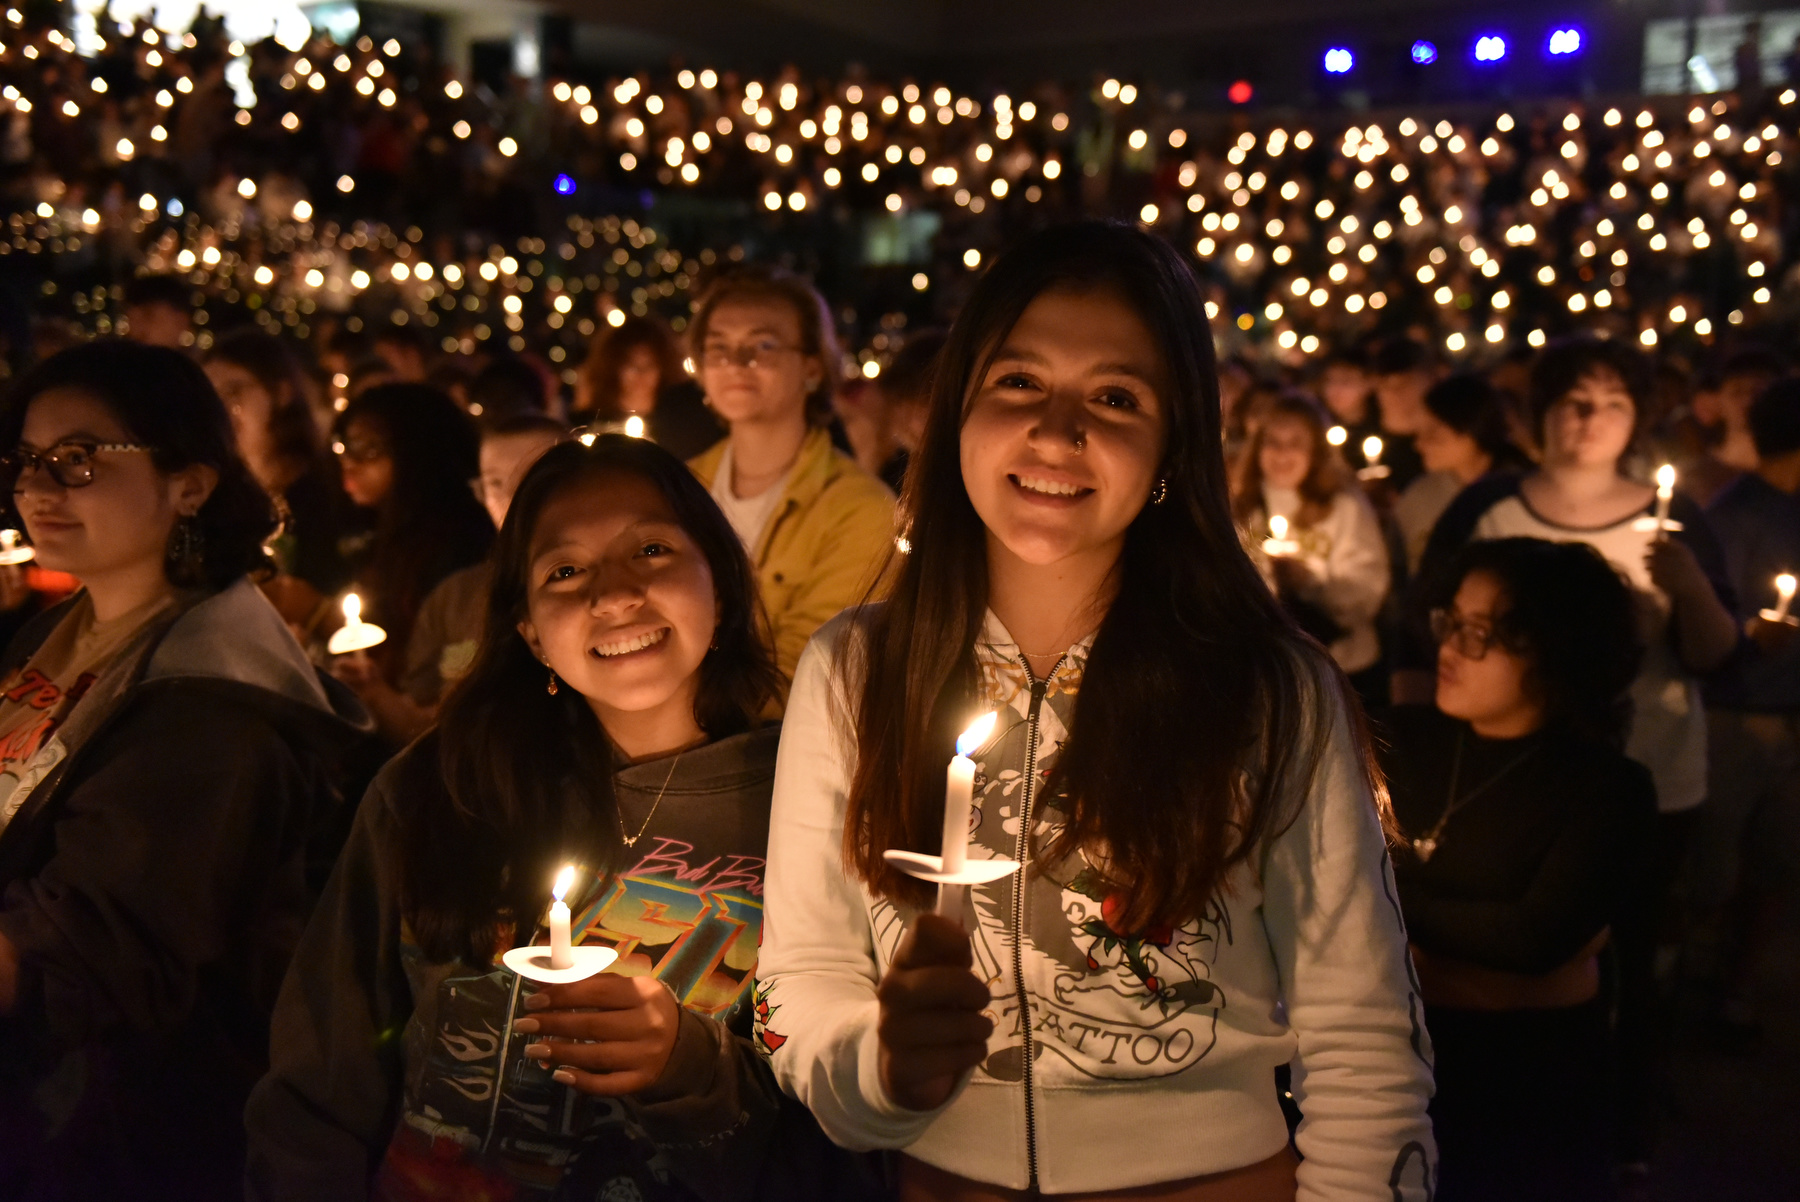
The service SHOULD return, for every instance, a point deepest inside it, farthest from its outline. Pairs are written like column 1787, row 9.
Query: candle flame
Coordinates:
column 977, row 734
column 352, row 608
column 1665, row 479
column 634, row 426
column 564, row 879
column 1371, row 448
column 8, row 539
column 1337, row 436
column 1784, row 584
column 1278, row 526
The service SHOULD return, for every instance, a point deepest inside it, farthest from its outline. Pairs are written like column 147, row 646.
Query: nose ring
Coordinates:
column 1080, row 443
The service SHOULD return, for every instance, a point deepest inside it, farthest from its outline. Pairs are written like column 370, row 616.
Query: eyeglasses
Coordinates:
column 70, row 464
column 1465, row 637
column 751, row 354
column 359, row 452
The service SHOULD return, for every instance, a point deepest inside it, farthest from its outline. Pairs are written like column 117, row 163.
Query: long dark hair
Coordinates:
column 521, row 780
column 1569, row 614
column 165, row 401
column 606, row 357
column 430, row 523
column 1193, row 642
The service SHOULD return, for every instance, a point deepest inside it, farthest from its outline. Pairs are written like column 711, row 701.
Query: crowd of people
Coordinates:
column 1443, row 718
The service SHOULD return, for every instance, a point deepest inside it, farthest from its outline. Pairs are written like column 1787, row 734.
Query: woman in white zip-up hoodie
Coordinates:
column 1206, row 894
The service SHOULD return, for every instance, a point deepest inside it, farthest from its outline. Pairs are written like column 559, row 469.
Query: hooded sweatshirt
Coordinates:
column 1118, row 1058
column 152, row 878
column 400, row 1078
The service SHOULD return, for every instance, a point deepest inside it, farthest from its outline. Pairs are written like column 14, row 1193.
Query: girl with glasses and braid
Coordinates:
column 1525, row 829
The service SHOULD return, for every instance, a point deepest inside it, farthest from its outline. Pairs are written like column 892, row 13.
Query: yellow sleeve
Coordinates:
column 852, row 534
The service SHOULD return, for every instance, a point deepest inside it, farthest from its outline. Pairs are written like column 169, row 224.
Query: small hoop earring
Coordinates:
column 551, row 687
column 1160, row 493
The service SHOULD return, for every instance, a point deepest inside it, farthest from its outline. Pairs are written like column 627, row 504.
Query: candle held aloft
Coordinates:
column 562, row 954
column 355, row 634
column 959, row 802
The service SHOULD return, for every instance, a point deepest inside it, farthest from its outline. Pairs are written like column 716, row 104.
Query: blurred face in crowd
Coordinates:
column 639, row 378
column 366, row 464
column 1478, row 680
column 1591, row 426
column 1286, row 452
column 1063, row 434
column 158, row 324
column 251, row 406
column 505, row 459
column 620, row 601
column 752, row 363
column 1730, row 403
column 1401, row 395
column 1345, row 390
column 118, row 524
column 403, row 360
column 1444, row 448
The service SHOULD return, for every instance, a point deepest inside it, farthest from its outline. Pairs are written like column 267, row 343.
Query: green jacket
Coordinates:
column 823, row 547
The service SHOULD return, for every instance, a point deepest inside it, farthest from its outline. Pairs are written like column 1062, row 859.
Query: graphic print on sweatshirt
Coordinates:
column 1112, row 1003
column 482, row 1121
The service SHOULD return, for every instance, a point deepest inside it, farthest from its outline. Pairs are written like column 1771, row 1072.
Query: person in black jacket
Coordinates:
column 1525, row 831
column 609, row 723
column 166, row 750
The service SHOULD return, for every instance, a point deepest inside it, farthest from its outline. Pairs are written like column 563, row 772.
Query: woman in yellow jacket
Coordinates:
column 817, row 527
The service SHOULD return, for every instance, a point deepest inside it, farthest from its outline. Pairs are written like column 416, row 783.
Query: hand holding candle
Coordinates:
column 952, row 871
column 1371, row 449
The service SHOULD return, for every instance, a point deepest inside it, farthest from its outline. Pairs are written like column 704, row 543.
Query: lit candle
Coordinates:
column 1784, row 597
column 1337, row 436
column 562, row 953
column 1279, row 543
column 355, row 636
column 959, row 801
column 634, row 426
column 1665, row 492
column 12, row 551
column 1371, row 449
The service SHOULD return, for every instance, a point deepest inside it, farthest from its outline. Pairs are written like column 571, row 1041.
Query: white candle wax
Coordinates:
column 562, row 953
column 959, row 800
column 355, row 636
column 1665, row 492
column 1784, row 593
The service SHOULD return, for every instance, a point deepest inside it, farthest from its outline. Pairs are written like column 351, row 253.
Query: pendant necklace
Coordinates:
column 631, row 840
column 1426, row 845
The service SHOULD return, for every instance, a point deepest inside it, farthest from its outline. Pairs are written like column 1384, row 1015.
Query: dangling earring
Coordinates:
column 1160, row 493
column 187, row 551
column 551, row 687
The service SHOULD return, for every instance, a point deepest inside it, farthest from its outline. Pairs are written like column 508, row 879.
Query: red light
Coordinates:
column 1240, row 92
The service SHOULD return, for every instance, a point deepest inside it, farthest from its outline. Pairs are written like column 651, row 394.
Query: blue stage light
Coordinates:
column 1424, row 53
column 1490, row 48
column 1565, row 41
column 1338, row 61
column 565, row 185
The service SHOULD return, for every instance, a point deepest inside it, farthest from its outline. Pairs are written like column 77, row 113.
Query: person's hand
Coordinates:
column 932, row 1027
column 626, row 1027
column 357, row 671
column 1673, row 568
column 1771, row 638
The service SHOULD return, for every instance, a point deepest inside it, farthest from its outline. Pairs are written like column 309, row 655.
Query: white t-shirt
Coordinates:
column 1668, row 725
column 749, row 516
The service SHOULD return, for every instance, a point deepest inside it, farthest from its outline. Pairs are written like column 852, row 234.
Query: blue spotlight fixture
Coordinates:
column 565, row 185
column 1424, row 53
column 1490, row 48
column 1338, row 61
column 1564, row 42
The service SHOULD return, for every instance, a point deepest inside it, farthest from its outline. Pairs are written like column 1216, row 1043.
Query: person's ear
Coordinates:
column 191, row 487
column 529, row 632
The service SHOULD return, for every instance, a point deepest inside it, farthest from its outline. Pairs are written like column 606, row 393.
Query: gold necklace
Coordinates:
column 631, row 840
column 1426, row 845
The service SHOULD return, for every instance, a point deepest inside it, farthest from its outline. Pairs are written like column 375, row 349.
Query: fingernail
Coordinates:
column 537, row 1051
column 525, row 1026
column 537, row 1001
column 564, row 1076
